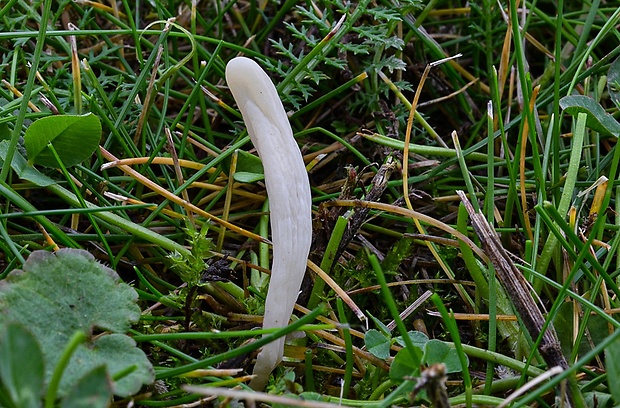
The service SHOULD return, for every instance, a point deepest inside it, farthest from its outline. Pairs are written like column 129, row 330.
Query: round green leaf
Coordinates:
column 21, row 366
column 245, row 177
column 598, row 120
column 92, row 391
column 613, row 82
column 564, row 327
column 24, row 170
column 377, row 344
column 74, row 137
column 612, row 364
column 404, row 365
column 60, row 293
column 436, row 351
column 249, row 167
column 418, row 339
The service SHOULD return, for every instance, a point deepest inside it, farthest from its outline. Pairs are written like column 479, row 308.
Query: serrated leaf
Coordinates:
column 74, row 137
column 392, row 63
column 91, row 391
column 436, row 351
column 613, row 82
column 310, row 16
column 598, row 120
column 355, row 48
column 612, row 365
column 404, row 365
column 21, row 366
column 388, row 14
column 57, row 294
column 377, row 344
column 21, row 167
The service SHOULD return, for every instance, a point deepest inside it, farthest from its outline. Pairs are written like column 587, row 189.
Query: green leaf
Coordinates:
column 94, row 390
column 399, row 251
column 249, row 167
column 60, row 293
column 313, row 396
column 404, row 365
column 612, row 365
column 5, row 132
column 245, row 177
column 382, row 327
column 597, row 399
column 563, row 322
column 418, row 339
column 377, row 344
column 21, row 167
column 5, row 399
column 436, row 351
column 74, row 137
column 613, row 82
column 598, row 120
column 21, row 366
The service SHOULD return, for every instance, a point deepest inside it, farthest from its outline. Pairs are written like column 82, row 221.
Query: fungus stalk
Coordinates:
column 290, row 202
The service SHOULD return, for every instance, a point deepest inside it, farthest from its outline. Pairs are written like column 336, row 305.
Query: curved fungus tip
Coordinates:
column 290, row 200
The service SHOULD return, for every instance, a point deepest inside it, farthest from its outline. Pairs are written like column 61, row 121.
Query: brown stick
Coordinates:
column 378, row 186
column 517, row 288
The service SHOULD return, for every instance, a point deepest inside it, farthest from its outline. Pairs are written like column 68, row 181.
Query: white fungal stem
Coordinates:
column 290, row 202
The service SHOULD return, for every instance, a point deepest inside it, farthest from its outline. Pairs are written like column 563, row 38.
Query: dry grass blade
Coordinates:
column 411, row 308
column 153, row 160
column 149, row 93
column 522, row 159
column 188, row 206
column 477, row 316
column 343, row 295
column 18, row 94
column 412, row 282
column 177, row 171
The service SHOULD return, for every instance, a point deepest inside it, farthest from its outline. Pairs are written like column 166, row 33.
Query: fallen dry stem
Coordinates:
column 517, row 288
column 377, row 187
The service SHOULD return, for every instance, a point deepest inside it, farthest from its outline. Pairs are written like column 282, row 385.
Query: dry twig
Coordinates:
column 517, row 288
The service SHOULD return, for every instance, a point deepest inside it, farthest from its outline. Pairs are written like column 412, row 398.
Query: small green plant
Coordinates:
column 57, row 295
column 74, row 138
column 191, row 266
column 22, row 374
column 428, row 351
column 612, row 366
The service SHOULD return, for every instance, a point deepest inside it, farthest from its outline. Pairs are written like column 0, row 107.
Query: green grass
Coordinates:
column 349, row 93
